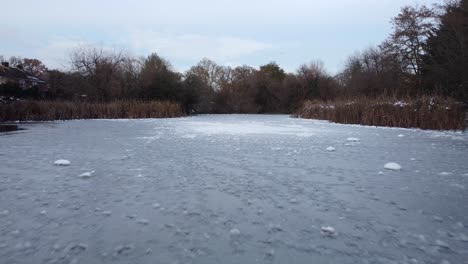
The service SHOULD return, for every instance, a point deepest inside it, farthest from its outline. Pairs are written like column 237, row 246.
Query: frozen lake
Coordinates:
column 231, row 189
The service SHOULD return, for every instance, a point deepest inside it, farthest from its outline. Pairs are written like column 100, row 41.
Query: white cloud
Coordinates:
column 56, row 53
column 195, row 46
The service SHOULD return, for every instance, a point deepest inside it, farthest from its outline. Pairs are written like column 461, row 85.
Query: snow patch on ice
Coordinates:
column 234, row 232
column 392, row 166
column 4, row 212
column 62, row 162
column 86, row 175
column 245, row 128
column 328, row 231
column 143, row 221
column 107, row 213
column 331, row 149
column 294, row 201
column 444, row 173
column 123, row 249
column 442, row 244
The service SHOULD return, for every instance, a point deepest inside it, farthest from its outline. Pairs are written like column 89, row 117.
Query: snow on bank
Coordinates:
column 392, row 166
column 62, row 162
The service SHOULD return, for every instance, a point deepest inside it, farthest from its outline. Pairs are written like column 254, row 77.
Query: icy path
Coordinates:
column 231, row 189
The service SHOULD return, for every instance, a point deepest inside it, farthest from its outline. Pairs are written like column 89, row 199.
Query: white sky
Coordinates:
column 232, row 33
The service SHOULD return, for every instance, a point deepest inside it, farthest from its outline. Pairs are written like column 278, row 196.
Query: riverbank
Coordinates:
column 66, row 110
column 425, row 112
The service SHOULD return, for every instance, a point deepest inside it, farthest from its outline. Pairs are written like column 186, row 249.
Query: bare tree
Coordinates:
column 412, row 27
column 99, row 67
column 35, row 67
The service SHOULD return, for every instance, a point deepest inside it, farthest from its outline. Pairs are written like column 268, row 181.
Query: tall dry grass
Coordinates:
column 426, row 112
column 60, row 110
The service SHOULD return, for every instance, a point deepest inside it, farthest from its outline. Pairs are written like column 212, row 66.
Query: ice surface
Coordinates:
column 392, row 166
column 267, row 176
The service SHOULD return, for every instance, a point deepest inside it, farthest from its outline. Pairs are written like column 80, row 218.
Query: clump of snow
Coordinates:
column 62, row 162
column 143, row 221
column 123, row 249
column 328, row 231
column 444, row 173
column 156, row 205
column 462, row 237
column 86, row 175
column 294, row 201
column 381, row 173
column 4, row 212
column 401, row 135
column 353, row 139
column 392, row 166
column 107, row 213
column 234, row 232
column 400, row 104
column 275, row 228
column 331, row 149
column 442, row 244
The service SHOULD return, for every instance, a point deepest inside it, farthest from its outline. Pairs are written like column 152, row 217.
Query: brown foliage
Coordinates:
column 62, row 110
column 425, row 112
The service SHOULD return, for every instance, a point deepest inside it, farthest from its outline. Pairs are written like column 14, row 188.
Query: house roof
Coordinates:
column 15, row 73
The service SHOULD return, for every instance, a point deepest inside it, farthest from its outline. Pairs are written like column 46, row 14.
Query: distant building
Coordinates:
column 17, row 76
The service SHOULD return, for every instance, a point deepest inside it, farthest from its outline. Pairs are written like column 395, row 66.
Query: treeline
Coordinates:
column 426, row 54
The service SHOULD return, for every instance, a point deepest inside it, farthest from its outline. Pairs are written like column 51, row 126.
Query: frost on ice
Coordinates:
column 392, row 166
column 62, row 162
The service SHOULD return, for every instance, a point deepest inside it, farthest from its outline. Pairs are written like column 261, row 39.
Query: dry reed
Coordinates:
column 426, row 112
column 65, row 110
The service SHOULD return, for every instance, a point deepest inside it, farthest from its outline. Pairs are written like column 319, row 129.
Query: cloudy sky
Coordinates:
column 236, row 32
